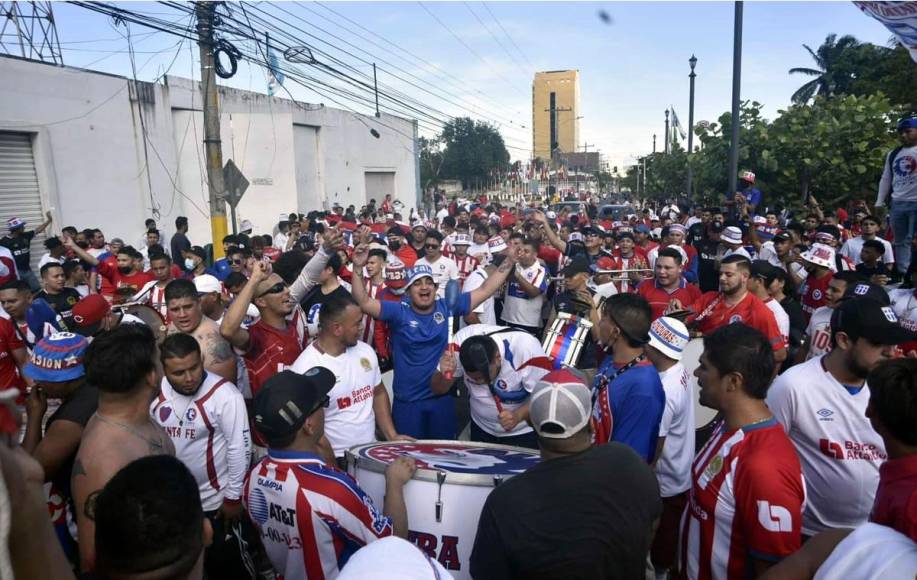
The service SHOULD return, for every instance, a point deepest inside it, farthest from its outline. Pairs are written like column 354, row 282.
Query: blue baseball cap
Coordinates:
column 418, row 272
column 642, row 229
column 57, row 358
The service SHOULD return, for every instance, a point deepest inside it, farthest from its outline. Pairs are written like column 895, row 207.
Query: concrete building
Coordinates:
column 100, row 151
column 555, row 112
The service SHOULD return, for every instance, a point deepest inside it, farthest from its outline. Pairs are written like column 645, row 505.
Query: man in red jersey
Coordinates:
column 734, row 303
column 818, row 262
column 669, row 284
column 745, row 505
column 126, row 277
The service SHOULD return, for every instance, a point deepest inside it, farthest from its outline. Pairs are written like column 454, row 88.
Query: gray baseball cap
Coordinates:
column 560, row 405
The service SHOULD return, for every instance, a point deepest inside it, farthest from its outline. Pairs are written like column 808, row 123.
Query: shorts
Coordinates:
column 426, row 419
column 664, row 550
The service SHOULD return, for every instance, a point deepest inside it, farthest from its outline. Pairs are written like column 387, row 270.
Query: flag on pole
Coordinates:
column 676, row 125
column 899, row 17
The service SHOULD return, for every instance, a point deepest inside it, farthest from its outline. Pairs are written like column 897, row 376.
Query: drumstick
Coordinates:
column 451, row 298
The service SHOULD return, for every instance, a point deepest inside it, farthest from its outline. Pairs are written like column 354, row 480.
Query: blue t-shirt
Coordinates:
column 636, row 399
column 753, row 197
column 418, row 342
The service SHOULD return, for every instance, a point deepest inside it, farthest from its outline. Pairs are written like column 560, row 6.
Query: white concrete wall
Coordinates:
column 89, row 150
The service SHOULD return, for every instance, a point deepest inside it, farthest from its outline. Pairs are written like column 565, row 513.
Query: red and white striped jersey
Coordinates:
column 369, row 323
column 312, row 517
column 746, row 500
column 157, row 299
column 210, row 432
column 466, row 265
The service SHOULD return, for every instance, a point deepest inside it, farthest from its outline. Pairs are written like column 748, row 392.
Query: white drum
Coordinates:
column 445, row 497
column 690, row 357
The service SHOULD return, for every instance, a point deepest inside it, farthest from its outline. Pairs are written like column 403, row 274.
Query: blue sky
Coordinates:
column 631, row 69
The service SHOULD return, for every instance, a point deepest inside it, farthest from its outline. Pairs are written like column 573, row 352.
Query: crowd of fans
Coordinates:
column 186, row 417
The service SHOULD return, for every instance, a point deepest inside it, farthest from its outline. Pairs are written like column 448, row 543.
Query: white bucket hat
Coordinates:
column 669, row 336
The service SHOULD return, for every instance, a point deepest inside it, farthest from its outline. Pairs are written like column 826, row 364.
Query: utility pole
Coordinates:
column 666, row 131
column 654, row 143
column 689, row 190
column 376, row 90
column 736, row 113
column 205, row 12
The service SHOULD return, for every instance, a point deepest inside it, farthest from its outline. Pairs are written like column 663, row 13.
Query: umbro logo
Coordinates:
column 825, row 414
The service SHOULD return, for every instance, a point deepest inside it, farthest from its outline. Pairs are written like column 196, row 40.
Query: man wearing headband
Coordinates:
column 500, row 366
column 627, row 393
column 674, row 235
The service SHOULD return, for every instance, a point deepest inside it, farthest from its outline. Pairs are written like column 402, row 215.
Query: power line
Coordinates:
column 497, row 40
column 513, row 42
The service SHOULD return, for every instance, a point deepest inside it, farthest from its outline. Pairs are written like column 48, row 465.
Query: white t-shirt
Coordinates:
column 852, row 248
column 904, row 305
column 782, row 318
column 524, row 363
column 819, row 332
column 444, row 269
column 392, row 558
column 767, row 253
column 485, row 310
column 349, row 418
column 480, row 251
column 46, row 258
column 741, row 251
column 673, row 468
column 838, row 448
column 518, row 306
column 871, row 552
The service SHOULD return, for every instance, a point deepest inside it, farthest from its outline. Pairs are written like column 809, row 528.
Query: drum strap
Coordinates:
column 605, row 382
column 709, row 309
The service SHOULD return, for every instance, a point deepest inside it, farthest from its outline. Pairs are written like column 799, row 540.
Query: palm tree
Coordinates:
column 828, row 79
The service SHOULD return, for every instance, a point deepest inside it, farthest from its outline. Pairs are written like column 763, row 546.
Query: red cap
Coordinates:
column 91, row 310
column 605, row 263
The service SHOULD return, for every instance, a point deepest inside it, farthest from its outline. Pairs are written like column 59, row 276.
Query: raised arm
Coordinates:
column 310, row 273
column 231, row 327
column 44, row 225
column 493, row 282
column 369, row 305
column 549, row 232
column 81, row 253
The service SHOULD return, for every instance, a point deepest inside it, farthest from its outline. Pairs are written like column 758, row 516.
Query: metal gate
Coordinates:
column 19, row 192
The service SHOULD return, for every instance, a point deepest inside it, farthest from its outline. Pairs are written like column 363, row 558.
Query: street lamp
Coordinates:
column 693, row 62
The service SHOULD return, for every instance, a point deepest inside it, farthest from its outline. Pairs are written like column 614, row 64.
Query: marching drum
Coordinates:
column 149, row 315
column 564, row 341
column 703, row 416
column 445, row 497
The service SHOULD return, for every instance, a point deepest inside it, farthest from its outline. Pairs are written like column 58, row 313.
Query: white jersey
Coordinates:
column 904, row 305
column 210, row 432
column 392, row 558
column 349, row 418
column 444, row 269
column 311, row 517
column 768, row 253
column 740, row 251
column 518, row 306
column 485, row 310
column 838, row 448
column 782, row 318
column 852, row 248
column 523, row 364
column 481, row 252
column 871, row 552
column 673, row 468
column 818, row 332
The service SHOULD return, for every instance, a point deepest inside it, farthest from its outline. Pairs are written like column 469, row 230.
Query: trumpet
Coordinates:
column 622, row 275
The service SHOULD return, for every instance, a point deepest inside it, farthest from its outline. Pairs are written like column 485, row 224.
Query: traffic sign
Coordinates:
column 234, row 182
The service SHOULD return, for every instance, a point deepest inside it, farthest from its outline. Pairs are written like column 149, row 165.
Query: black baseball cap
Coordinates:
column 199, row 252
column 862, row 317
column 287, row 399
column 578, row 264
column 868, row 291
column 781, row 237
column 763, row 269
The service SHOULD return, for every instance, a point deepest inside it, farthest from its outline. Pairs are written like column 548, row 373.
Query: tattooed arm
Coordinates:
column 219, row 357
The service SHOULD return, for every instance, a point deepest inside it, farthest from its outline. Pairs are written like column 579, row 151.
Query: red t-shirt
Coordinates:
column 551, row 256
column 271, row 350
column 9, row 341
column 813, row 293
column 134, row 281
column 896, row 496
column 750, row 311
column 407, row 255
column 659, row 297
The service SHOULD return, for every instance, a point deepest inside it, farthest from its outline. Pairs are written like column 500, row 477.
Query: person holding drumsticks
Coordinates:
column 501, row 366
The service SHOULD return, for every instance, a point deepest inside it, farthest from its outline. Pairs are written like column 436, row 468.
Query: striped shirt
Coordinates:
column 311, row 517
column 746, row 501
column 369, row 323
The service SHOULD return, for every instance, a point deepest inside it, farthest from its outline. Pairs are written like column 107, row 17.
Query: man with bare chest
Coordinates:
column 122, row 364
column 186, row 316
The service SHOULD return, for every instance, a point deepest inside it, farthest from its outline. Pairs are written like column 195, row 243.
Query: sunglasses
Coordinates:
column 275, row 289
column 432, row 246
column 236, row 262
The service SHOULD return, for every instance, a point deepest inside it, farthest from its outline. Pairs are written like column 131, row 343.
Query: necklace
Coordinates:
column 153, row 443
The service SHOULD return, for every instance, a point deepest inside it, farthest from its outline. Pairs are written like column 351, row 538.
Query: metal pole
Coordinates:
column 205, row 15
column 692, row 61
column 376, row 89
column 736, row 91
column 666, row 148
column 654, row 143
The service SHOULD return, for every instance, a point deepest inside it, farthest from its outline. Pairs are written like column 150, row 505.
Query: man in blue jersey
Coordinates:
column 419, row 333
column 628, row 397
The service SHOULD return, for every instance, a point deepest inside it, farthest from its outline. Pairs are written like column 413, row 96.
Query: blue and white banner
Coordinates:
column 899, row 17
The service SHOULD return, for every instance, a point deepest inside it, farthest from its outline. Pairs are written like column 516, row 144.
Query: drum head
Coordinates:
column 465, row 463
column 690, row 358
column 151, row 317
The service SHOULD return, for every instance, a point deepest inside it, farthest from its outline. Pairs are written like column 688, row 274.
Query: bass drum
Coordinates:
column 704, row 417
column 445, row 496
column 148, row 315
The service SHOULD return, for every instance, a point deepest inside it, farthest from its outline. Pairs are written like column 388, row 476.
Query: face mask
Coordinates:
column 190, row 264
column 394, row 245
column 124, row 270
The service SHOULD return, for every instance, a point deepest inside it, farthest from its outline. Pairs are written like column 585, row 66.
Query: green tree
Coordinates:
column 887, row 70
column 833, row 149
column 431, row 160
column 473, row 151
column 831, row 76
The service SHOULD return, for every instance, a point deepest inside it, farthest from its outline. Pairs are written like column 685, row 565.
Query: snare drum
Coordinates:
column 149, row 315
column 565, row 340
column 690, row 358
column 445, row 497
